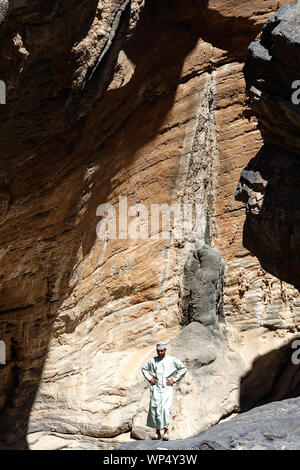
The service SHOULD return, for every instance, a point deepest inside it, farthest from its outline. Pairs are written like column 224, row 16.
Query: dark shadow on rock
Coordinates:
column 273, row 426
column 230, row 33
column 274, row 376
column 52, row 166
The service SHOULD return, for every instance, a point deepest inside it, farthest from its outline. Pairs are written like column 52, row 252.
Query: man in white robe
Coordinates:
column 162, row 371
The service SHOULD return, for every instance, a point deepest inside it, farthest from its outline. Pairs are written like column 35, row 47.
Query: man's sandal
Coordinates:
column 156, row 438
column 165, row 438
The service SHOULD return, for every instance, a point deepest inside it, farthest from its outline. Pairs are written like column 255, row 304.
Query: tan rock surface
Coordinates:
column 161, row 120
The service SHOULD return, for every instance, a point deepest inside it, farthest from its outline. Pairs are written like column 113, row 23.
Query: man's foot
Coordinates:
column 158, row 436
column 165, row 438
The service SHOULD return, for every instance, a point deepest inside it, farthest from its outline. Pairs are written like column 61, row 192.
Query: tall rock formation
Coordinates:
column 141, row 99
column 270, row 183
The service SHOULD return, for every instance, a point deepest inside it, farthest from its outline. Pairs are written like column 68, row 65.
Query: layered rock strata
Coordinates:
column 143, row 100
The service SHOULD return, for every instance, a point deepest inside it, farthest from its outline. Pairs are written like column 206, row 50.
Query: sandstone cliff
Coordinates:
column 145, row 100
column 270, row 183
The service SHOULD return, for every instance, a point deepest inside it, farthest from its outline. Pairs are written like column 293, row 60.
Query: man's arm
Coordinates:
column 146, row 371
column 181, row 370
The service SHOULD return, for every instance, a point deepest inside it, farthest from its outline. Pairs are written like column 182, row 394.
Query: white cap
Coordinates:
column 161, row 346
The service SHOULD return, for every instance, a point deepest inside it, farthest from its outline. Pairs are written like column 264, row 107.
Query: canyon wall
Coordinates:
column 145, row 100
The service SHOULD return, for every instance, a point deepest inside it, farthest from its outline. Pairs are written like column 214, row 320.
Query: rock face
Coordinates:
column 269, row 185
column 203, row 286
column 143, row 100
column 274, row 426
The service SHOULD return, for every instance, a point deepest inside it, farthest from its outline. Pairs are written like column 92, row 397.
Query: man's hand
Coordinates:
column 170, row 382
column 153, row 381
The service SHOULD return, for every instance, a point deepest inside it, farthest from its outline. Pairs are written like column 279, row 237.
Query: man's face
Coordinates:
column 161, row 352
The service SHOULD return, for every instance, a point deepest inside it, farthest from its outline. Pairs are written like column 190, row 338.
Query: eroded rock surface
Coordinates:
column 269, row 185
column 144, row 100
column 274, row 426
